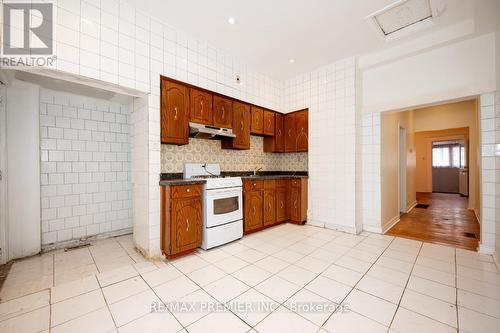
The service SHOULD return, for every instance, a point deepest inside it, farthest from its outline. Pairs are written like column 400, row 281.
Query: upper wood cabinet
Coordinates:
column 174, row 113
column 257, row 120
column 200, row 106
column 268, row 122
column 301, row 128
column 276, row 143
column 241, row 127
column 223, row 112
column 290, row 133
column 181, row 219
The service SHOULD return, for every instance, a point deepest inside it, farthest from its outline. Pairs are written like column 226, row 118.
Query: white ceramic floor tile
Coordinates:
column 277, row 288
column 174, row 289
column 400, row 255
column 484, row 276
column 133, row 307
column 478, row 287
column 193, row 307
column 252, row 306
column 116, row 275
column 75, row 288
column 434, row 275
column 288, row 255
column 478, row 303
column 206, row 275
column 342, row 275
column 153, row 323
column 124, row 289
column 251, row 255
column 212, row 255
column 75, row 307
column 297, row 275
column 219, row 322
column 354, row 264
column 433, row 289
column 407, row 321
column 78, row 273
column 34, row 321
column 376, row 287
column 431, row 307
column 226, row 288
column 388, row 275
column 471, row 321
column 329, row 289
column 312, row 264
column 18, row 306
column 352, row 322
column 189, row 263
column 436, row 264
column 311, row 306
column 370, row 306
column 272, row 264
column 233, row 248
column 363, row 255
column 251, row 275
column 395, row 264
column 161, row 275
column 231, row 264
column 284, row 320
column 96, row 321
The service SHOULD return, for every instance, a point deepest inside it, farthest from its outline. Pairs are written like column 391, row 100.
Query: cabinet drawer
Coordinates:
column 250, row 185
column 282, row 182
column 296, row 182
column 185, row 191
column 270, row 184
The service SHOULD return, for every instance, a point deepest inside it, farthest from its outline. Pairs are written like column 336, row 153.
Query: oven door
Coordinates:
column 223, row 206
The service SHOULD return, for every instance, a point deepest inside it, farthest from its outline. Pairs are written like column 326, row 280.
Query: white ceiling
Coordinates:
column 268, row 33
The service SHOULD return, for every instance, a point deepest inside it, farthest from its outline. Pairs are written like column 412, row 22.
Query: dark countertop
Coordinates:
column 172, row 179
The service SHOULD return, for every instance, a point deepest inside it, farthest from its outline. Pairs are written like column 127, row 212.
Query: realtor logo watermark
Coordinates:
column 27, row 34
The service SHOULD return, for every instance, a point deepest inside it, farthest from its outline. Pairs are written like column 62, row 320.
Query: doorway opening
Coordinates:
column 436, row 152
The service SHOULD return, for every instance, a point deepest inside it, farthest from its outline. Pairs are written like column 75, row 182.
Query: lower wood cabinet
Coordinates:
column 268, row 202
column 181, row 219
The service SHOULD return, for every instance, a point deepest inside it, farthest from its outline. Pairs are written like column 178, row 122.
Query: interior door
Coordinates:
column 4, row 254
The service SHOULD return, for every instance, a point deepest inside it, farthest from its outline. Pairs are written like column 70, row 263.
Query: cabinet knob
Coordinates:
column 281, row 204
column 254, row 184
column 289, row 132
column 188, row 190
column 279, row 132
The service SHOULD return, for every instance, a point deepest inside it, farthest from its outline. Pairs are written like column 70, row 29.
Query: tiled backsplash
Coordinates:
column 209, row 151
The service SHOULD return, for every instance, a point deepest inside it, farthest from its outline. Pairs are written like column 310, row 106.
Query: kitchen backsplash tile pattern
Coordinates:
column 209, row 151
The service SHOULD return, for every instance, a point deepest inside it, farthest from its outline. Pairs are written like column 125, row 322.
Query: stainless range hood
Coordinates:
column 209, row 132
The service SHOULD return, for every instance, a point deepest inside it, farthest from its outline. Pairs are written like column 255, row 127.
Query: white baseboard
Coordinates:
column 389, row 224
column 372, row 229
column 483, row 249
column 86, row 240
column 411, row 206
column 315, row 223
column 343, row 228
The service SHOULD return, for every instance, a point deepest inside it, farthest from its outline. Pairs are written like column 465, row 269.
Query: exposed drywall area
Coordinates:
column 23, row 170
column 390, row 163
column 431, row 75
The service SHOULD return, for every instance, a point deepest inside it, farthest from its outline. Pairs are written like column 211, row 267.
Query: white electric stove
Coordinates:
column 222, row 204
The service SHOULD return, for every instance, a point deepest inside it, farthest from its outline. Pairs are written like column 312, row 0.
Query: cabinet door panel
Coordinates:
column 241, row 125
column 290, row 133
column 257, row 120
column 174, row 113
column 268, row 122
column 223, row 112
column 253, row 210
column 295, row 204
column 281, row 213
column 200, row 107
column 279, row 134
column 301, row 121
column 269, row 207
column 186, row 224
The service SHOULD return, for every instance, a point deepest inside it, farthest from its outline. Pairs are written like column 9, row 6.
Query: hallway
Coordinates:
column 445, row 221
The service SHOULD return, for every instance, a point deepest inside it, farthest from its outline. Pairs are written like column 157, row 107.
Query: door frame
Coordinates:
column 402, row 163
column 4, row 257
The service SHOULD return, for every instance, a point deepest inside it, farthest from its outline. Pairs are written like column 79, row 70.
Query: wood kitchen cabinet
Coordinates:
column 223, row 112
column 257, row 121
column 301, row 129
column 268, row 122
column 282, row 206
column 241, row 127
column 253, row 201
column 181, row 219
column 298, row 200
column 200, row 106
column 174, row 112
column 269, row 207
column 276, row 143
column 290, row 133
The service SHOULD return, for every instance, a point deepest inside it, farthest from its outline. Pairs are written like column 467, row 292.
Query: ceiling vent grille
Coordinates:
column 402, row 15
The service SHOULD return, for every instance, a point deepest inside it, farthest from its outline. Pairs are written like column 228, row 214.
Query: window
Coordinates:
column 448, row 155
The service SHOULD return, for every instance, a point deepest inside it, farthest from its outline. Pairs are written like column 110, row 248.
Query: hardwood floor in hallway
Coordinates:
column 446, row 221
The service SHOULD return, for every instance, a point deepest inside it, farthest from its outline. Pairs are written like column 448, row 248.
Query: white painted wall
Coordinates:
column 456, row 70
column 23, row 169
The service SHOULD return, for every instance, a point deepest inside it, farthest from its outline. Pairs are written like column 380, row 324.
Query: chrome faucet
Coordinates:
column 255, row 171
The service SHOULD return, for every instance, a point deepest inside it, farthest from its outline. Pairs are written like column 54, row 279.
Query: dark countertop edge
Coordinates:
column 175, row 178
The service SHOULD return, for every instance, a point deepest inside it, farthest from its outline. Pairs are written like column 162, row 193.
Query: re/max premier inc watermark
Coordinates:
column 27, row 34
